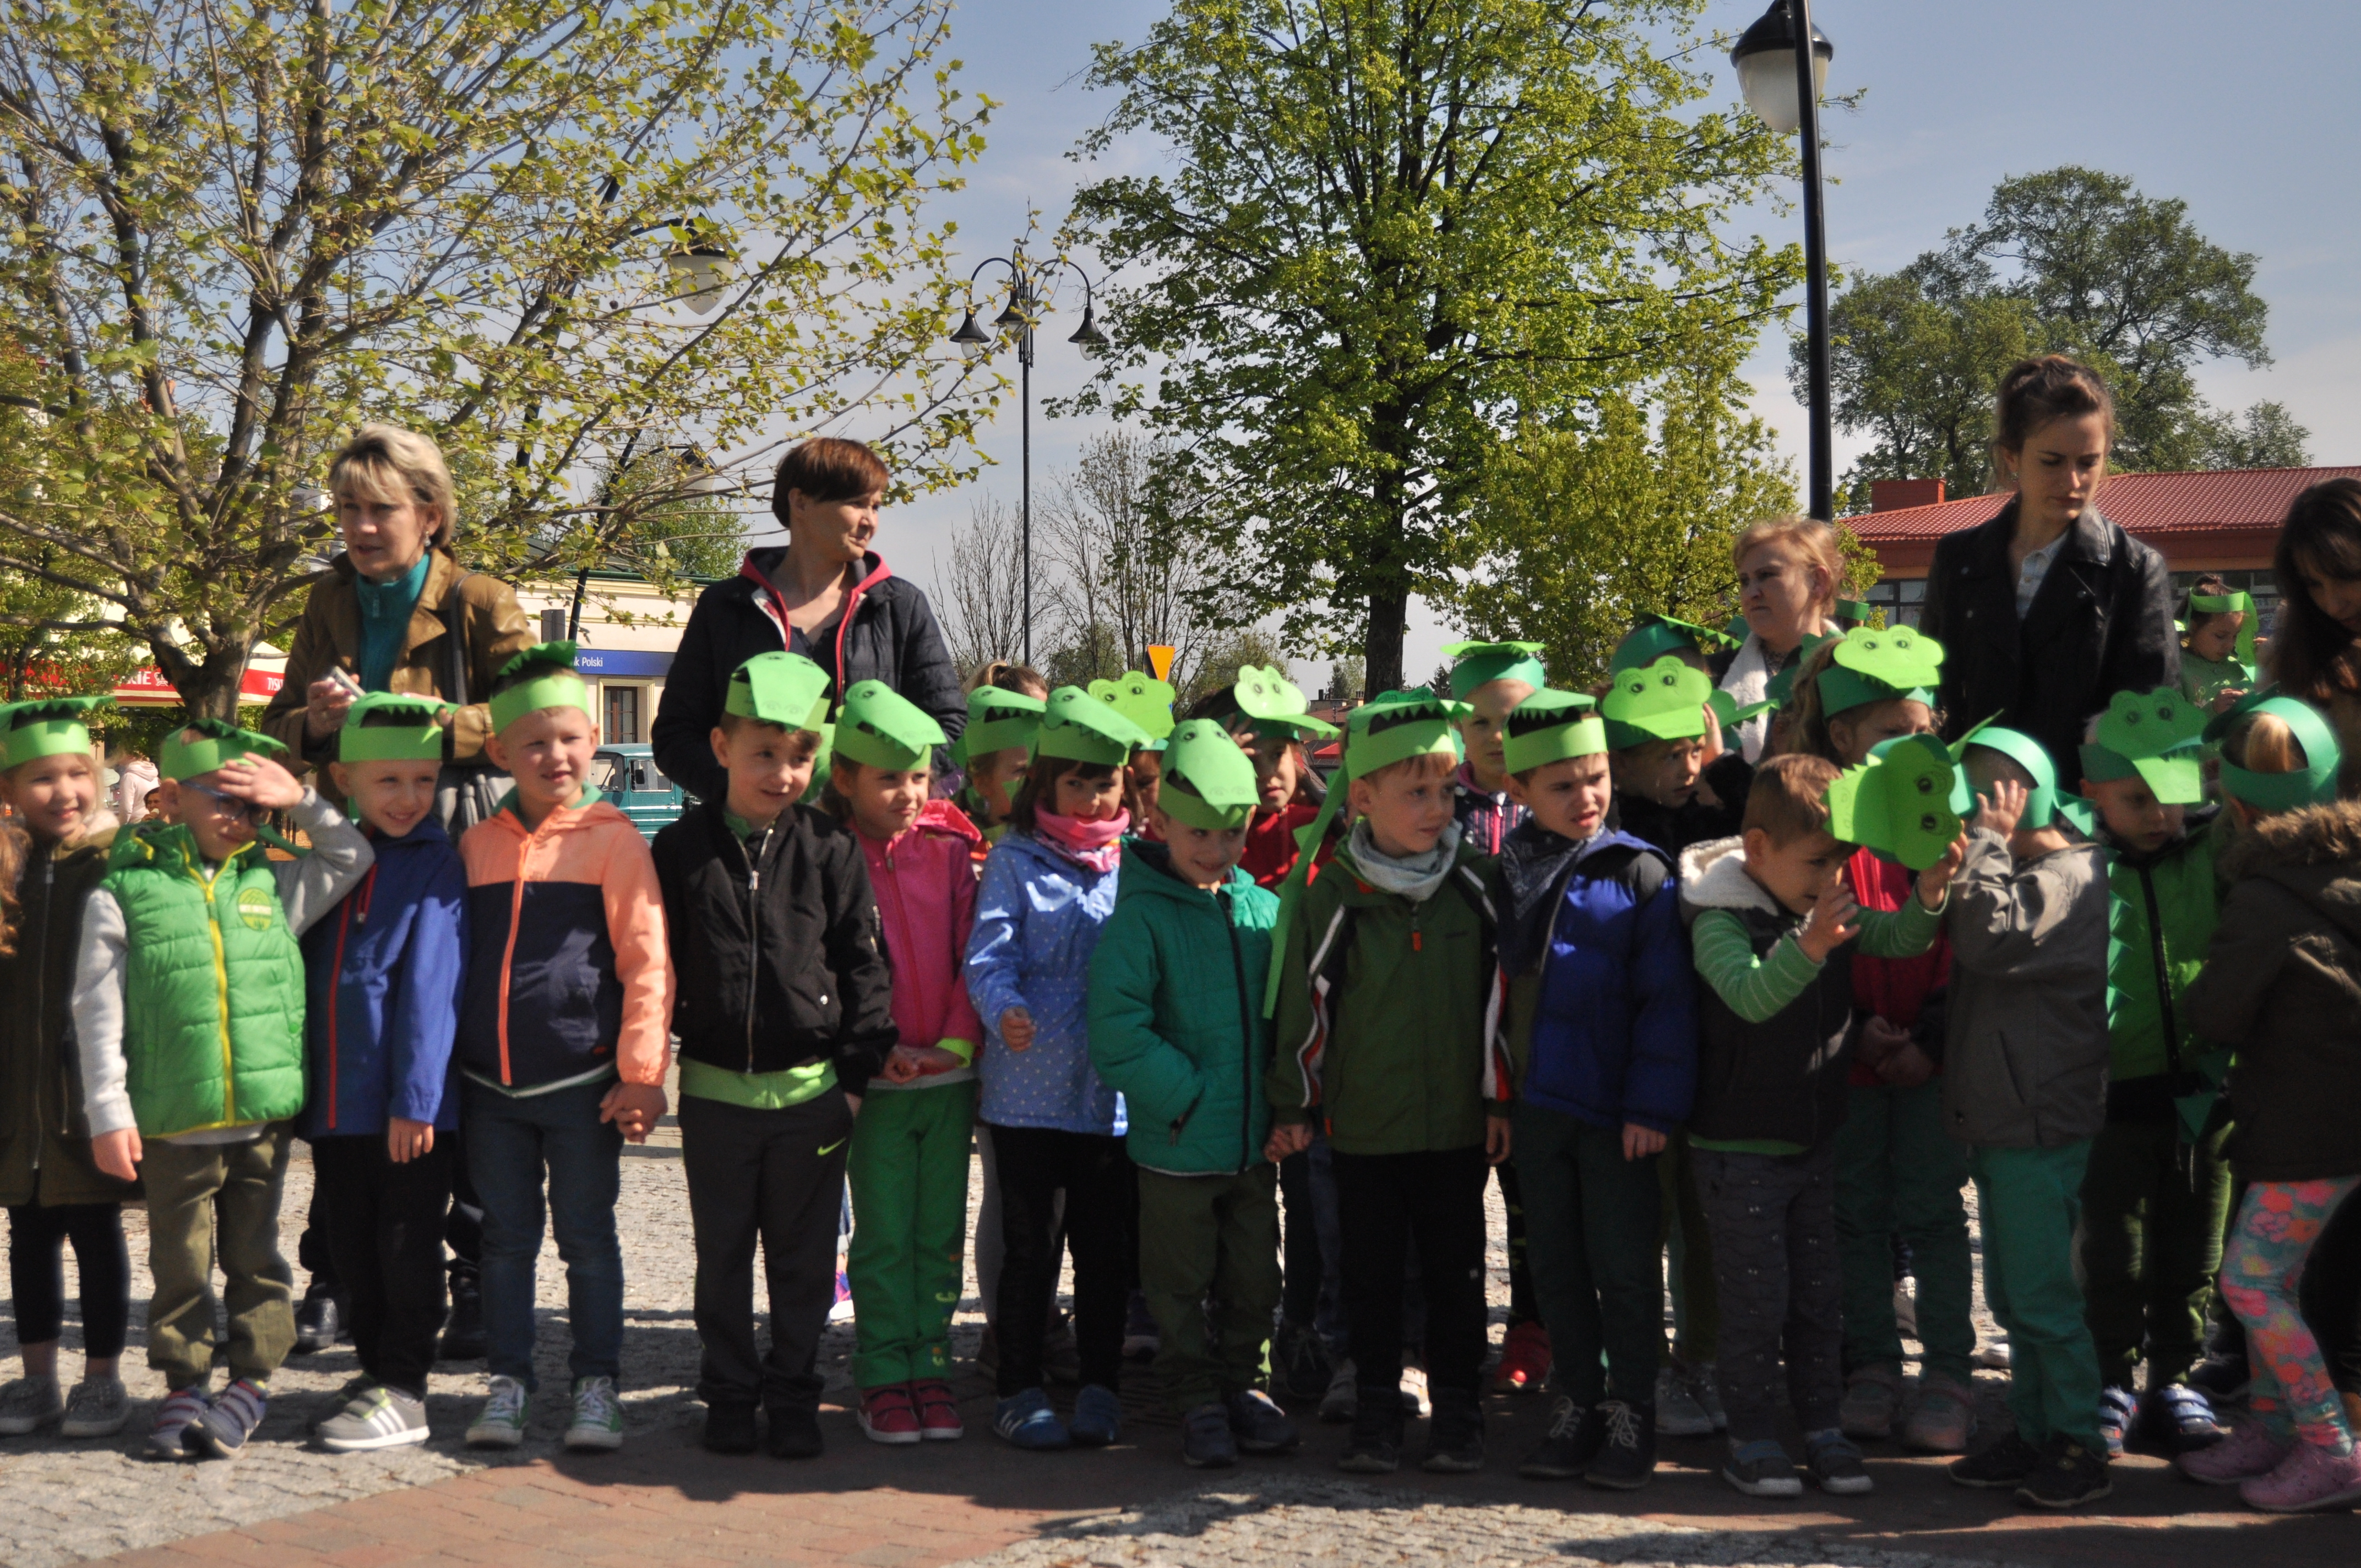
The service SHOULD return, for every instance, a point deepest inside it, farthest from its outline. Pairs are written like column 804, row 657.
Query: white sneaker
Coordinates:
column 598, row 1424
column 1678, row 1412
column 377, row 1416
column 1992, row 1355
column 501, row 1422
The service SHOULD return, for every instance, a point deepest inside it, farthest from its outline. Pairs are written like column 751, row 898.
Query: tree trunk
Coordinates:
column 208, row 690
column 1382, row 654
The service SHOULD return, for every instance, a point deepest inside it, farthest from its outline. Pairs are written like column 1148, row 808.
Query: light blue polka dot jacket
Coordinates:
column 1037, row 918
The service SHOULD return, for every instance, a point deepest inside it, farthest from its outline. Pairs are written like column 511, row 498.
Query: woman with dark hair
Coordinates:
column 826, row 594
column 2313, row 652
column 2048, row 609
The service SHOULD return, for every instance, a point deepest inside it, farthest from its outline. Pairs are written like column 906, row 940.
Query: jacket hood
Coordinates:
column 945, row 817
column 2315, row 853
column 1713, row 876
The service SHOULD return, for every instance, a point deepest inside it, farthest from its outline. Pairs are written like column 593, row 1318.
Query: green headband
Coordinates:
column 2044, row 802
column 2239, row 603
column 1208, row 782
column 880, row 728
column 559, row 687
column 1875, row 664
column 2316, row 785
column 2156, row 736
column 1277, row 705
column 1658, row 635
column 1663, row 701
column 1551, row 727
column 781, row 688
column 46, row 727
column 417, row 740
column 1079, row 727
column 997, row 720
column 1899, row 803
column 217, row 742
column 1399, row 726
column 1480, row 663
column 1853, row 610
column 1143, row 699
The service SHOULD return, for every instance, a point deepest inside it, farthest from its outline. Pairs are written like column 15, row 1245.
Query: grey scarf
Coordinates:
column 1417, row 879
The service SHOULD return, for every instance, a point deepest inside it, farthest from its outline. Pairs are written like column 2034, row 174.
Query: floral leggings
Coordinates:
column 2277, row 1226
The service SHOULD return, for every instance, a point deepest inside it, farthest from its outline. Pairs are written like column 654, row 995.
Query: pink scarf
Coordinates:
column 1094, row 845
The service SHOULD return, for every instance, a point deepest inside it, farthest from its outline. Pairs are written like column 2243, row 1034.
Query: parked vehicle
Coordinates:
column 627, row 776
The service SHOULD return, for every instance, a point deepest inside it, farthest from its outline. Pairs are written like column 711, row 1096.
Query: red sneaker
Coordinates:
column 939, row 1416
column 887, row 1414
column 1524, row 1360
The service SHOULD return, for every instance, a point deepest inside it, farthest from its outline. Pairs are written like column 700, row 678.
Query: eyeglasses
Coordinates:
column 228, row 804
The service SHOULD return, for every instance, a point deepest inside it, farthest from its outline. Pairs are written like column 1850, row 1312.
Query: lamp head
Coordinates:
column 969, row 332
column 1765, row 59
column 1088, row 333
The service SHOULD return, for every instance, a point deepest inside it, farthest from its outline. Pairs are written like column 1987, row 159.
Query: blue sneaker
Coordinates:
column 222, row 1431
column 1098, row 1415
column 1029, row 1421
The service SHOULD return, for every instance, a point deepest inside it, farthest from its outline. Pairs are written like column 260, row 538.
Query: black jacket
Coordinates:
column 2101, row 624
column 774, row 947
column 887, row 633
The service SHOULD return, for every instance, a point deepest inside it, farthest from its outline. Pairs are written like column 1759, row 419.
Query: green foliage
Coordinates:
column 1090, row 653
column 1584, row 530
column 229, row 232
column 1233, row 650
column 1387, row 233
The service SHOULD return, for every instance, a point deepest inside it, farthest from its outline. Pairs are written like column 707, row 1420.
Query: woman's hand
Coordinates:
column 324, row 703
column 119, row 1153
column 405, row 1140
column 1016, row 1029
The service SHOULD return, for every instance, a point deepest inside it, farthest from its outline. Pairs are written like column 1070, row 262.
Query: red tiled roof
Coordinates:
column 2143, row 503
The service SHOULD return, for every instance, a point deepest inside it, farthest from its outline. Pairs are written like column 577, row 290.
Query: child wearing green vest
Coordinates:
column 188, row 1013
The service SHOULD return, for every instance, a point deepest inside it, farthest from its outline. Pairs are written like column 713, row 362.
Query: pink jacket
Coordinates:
column 925, row 883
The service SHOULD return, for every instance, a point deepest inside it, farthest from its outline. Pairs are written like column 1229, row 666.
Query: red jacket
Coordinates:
column 925, row 885
column 1896, row 989
column 1270, row 843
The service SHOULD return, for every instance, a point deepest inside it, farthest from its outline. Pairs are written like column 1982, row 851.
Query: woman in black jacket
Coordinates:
column 2048, row 609
column 826, row 596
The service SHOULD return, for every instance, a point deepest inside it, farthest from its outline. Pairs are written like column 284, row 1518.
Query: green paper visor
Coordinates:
column 46, row 727
column 1400, row 725
column 2241, row 602
column 1899, row 803
column 879, row 728
column 1552, row 727
column 1480, row 663
column 1082, row 728
column 2316, row 785
column 1663, row 701
column 1143, row 699
column 1267, row 696
column 2042, row 803
column 417, row 739
column 559, row 688
column 997, row 720
column 2154, row 735
column 217, row 742
column 781, row 688
column 1208, row 782
column 1728, row 715
column 1658, row 635
column 1876, row 664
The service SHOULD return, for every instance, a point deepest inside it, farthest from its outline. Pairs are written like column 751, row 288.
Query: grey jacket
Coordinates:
column 2025, row 1062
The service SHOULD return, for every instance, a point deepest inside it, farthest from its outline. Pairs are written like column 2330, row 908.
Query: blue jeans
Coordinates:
column 512, row 1142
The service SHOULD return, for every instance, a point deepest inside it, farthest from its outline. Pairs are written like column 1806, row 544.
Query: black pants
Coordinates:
column 1384, row 1202
column 1774, row 1221
column 1523, row 1305
column 1101, row 1213
column 776, row 1177
column 463, row 1230
column 384, row 1223
column 36, row 1238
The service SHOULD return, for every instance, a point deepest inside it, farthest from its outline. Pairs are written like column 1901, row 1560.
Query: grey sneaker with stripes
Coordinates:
column 377, row 1416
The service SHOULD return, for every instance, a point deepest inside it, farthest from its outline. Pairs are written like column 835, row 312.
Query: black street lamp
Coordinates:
column 1023, row 310
column 1783, row 84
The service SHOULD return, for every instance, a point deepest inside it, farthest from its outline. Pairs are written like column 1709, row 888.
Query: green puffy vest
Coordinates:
column 2160, row 920
column 213, row 1029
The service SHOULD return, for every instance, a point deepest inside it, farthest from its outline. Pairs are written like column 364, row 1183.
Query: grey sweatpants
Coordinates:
column 1773, row 1222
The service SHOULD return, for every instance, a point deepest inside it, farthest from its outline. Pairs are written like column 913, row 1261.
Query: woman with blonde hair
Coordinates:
column 1789, row 570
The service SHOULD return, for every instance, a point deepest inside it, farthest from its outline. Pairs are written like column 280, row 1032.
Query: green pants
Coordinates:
column 209, row 1202
column 2153, row 1214
column 1687, row 1246
column 907, row 1167
column 1591, row 1229
column 2030, row 1201
column 1898, row 1172
column 1217, row 1236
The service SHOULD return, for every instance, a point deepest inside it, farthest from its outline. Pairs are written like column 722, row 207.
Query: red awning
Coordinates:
column 148, row 688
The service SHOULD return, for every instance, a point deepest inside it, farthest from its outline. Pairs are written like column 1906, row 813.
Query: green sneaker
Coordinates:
column 500, row 1424
column 598, row 1424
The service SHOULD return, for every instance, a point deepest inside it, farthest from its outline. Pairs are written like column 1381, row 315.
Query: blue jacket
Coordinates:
column 1037, row 918
column 1613, row 1030
column 383, row 971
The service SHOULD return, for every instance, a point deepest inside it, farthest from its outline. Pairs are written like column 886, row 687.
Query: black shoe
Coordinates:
column 1574, row 1439
column 319, row 1322
column 1375, row 1447
column 1627, row 1455
column 1455, row 1436
column 1300, row 1357
column 1206, row 1441
column 794, row 1433
column 730, row 1429
column 1259, row 1425
column 2002, row 1465
column 2068, row 1476
column 463, row 1331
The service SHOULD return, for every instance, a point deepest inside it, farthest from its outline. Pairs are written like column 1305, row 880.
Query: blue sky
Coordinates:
column 2247, row 113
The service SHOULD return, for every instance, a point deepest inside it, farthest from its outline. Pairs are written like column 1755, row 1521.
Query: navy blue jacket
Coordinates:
column 1613, row 1033
column 383, row 971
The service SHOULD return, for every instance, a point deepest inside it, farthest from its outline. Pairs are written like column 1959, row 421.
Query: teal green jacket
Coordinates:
column 2161, row 912
column 1176, row 1017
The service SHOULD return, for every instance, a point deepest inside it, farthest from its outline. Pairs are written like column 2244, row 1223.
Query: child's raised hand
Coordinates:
column 260, row 780
column 119, row 1153
column 1937, row 879
column 1016, row 1029
column 1496, row 1140
column 1287, row 1138
column 1640, row 1142
column 405, row 1140
column 2001, row 807
column 1834, row 921
column 635, row 1108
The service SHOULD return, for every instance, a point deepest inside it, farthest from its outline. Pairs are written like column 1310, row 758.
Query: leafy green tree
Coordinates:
column 1090, row 653
column 548, row 233
column 1231, row 651
column 1388, row 232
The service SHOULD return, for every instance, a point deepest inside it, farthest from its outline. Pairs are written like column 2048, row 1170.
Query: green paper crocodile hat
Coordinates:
column 880, row 728
column 1078, row 727
column 1400, row 724
column 2241, row 602
column 544, row 676
column 997, row 720
column 1142, row 698
column 1480, row 663
column 1550, row 727
column 46, row 727
column 1208, row 782
column 1658, row 635
column 1277, row 705
column 781, row 688
column 416, row 735
column 1728, row 715
column 217, row 741
column 2044, row 804
column 1875, row 663
column 1782, row 686
column 1662, row 701
column 1899, row 802
column 2316, row 785
column 1854, row 612
column 2155, row 735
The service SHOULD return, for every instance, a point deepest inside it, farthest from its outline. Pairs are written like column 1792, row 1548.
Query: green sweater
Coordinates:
column 2161, row 910
column 1759, row 990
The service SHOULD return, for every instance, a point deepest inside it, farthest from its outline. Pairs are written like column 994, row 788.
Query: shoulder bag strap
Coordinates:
column 455, row 624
